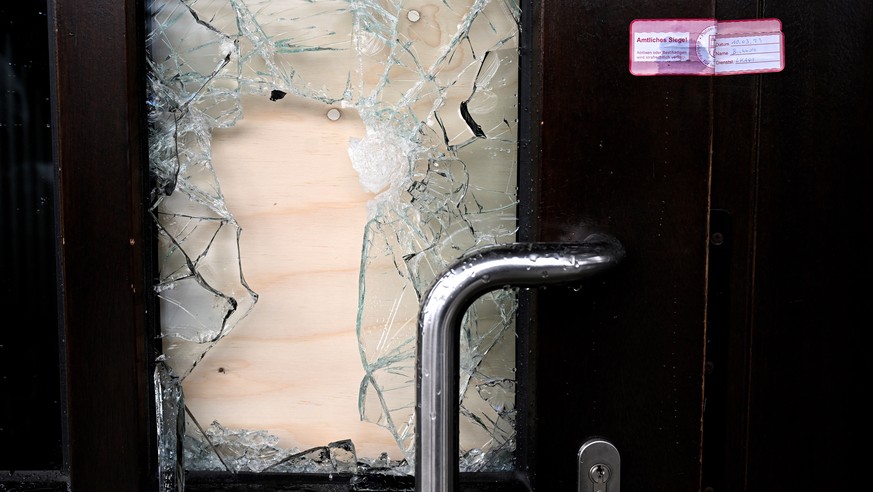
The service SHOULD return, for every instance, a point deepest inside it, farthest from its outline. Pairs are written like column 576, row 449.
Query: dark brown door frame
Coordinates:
column 99, row 114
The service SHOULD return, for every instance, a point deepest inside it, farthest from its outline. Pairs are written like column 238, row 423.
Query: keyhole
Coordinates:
column 599, row 473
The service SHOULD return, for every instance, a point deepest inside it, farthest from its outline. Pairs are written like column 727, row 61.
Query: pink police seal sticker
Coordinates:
column 705, row 47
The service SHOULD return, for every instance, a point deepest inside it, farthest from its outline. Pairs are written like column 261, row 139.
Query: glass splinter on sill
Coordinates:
column 434, row 86
column 217, row 448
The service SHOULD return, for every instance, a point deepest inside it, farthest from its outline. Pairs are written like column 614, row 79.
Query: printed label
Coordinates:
column 706, row 47
column 661, row 46
column 748, row 53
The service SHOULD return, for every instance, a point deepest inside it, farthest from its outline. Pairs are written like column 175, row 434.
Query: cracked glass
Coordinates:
column 317, row 164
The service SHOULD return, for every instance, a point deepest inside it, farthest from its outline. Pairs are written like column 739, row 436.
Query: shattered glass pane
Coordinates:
column 434, row 84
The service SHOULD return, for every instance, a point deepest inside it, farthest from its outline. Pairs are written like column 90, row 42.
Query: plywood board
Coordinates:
column 292, row 366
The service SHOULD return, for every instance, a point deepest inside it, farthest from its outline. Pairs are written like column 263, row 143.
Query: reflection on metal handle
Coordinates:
column 439, row 323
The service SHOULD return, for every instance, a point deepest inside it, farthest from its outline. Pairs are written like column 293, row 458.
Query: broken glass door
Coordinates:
column 316, row 166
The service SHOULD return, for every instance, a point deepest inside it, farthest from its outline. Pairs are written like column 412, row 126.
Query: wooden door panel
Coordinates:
column 807, row 357
column 629, row 156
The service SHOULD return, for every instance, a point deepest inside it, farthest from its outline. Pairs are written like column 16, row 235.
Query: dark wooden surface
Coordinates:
column 99, row 119
column 469, row 482
column 786, row 279
column 808, row 316
column 629, row 156
column 786, row 399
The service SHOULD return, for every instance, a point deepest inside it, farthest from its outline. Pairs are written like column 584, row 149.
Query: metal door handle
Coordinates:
column 439, row 325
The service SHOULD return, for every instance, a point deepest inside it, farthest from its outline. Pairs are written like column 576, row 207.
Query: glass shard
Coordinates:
column 171, row 429
column 218, row 448
column 435, row 86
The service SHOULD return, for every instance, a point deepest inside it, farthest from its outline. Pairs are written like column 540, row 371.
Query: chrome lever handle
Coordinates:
column 439, row 326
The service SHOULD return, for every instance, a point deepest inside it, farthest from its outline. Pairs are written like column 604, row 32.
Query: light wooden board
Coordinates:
column 292, row 366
